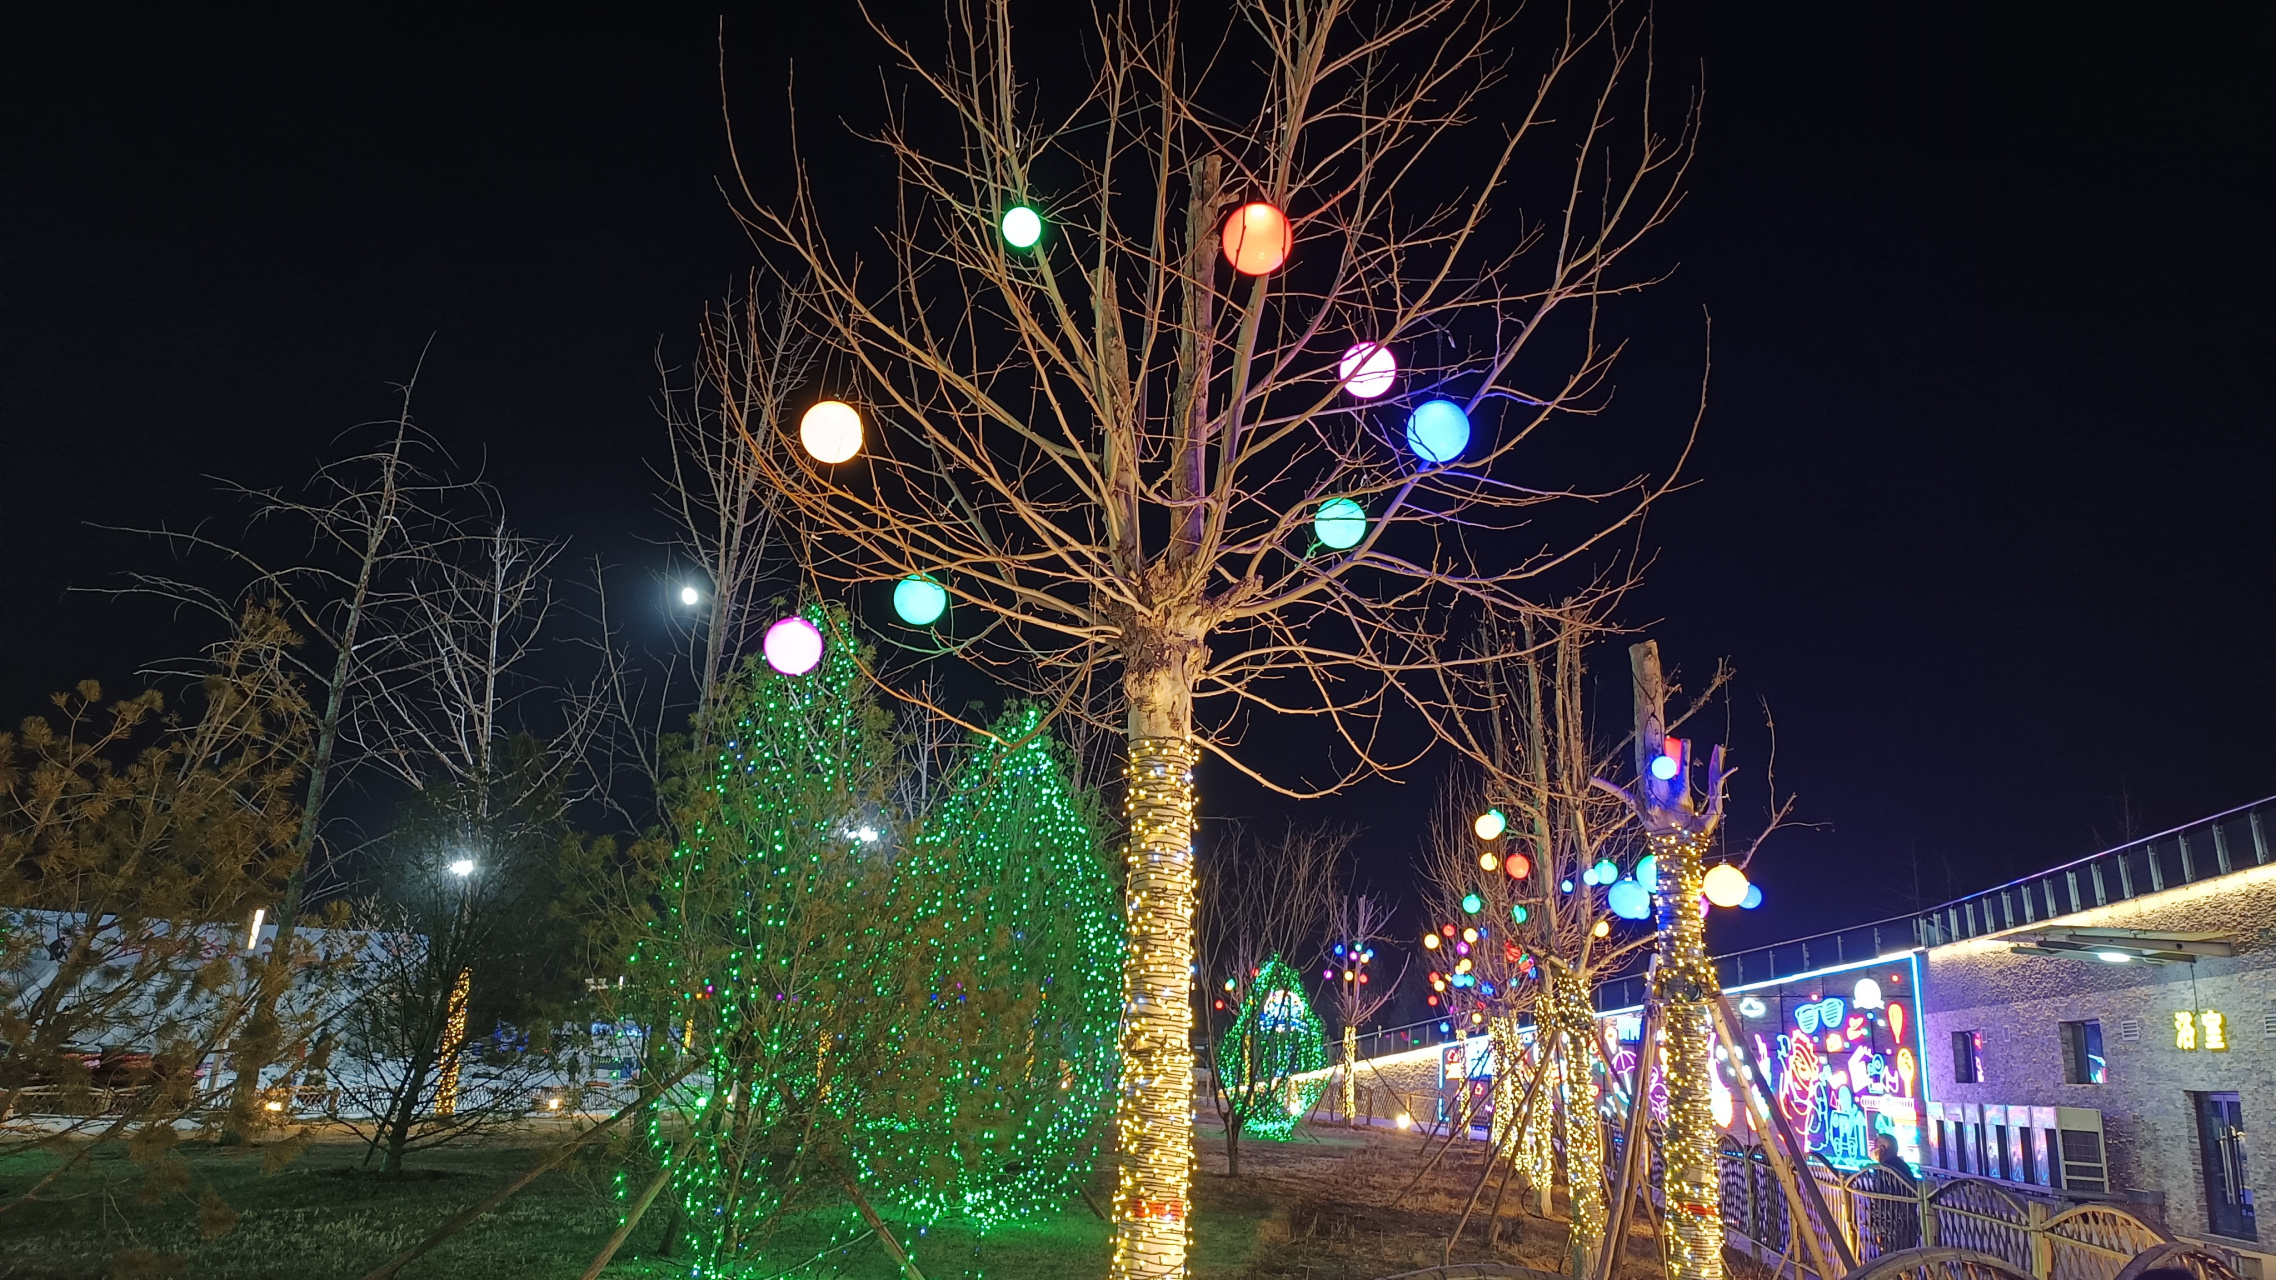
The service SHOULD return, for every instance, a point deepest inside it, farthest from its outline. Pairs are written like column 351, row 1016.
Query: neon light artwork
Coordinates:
column 1750, row 1007
column 1868, row 994
column 1826, row 1013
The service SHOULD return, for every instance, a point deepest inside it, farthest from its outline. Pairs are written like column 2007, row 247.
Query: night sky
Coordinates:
column 1982, row 510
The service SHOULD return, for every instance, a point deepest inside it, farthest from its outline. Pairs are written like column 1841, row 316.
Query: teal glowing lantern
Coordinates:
column 1022, row 227
column 919, row 600
column 1340, row 523
column 1628, row 900
column 1648, row 873
column 1438, row 431
column 1472, row 903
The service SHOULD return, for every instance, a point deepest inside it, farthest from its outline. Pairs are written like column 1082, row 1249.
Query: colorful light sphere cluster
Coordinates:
column 1257, row 239
column 1340, row 523
column 1367, row 370
column 1022, row 227
column 1490, row 825
column 919, row 600
column 1355, row 959
column 793, row 646
column 831, row 431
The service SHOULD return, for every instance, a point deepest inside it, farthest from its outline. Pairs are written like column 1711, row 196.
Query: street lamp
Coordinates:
column 689, row 595
column 462, row 867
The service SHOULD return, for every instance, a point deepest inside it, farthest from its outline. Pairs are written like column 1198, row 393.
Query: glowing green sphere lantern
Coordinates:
column 919, row 600
column 1022, row 227
column 1340, row 524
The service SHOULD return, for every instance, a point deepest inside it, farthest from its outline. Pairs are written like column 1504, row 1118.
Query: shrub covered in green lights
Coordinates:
column 916, row 1010
column 1276, row 1039
column 1028, row 924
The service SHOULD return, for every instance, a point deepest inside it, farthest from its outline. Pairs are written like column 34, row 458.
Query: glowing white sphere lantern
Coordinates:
column 1367, row 370
column 1022, row 227
column 1726, row 885
column 1490, row 825
column 793, row 646
column 831, row 431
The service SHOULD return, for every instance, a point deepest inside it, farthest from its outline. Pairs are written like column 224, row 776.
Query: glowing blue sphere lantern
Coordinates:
column 1438, row 431
column 1628, row 900
column 919, row 600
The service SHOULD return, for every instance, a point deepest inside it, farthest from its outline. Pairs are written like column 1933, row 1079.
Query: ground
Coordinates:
column 1322, row 1206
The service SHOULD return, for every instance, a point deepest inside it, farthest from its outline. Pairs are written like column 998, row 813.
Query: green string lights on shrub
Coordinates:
column 1030, row 932
column 1276, row 1038
column 931, row 1019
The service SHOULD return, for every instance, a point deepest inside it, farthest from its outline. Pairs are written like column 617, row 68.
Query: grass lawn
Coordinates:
column 1317, row 1207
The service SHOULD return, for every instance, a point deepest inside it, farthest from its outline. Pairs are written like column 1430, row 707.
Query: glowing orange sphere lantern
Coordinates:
column 1257, row 239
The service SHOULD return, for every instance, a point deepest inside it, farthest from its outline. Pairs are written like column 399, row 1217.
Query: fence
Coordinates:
column 1879, row 1213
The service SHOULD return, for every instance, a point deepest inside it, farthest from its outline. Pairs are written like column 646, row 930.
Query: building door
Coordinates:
column 2228, row 1186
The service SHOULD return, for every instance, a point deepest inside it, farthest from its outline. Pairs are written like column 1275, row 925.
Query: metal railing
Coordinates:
column 2193, row 852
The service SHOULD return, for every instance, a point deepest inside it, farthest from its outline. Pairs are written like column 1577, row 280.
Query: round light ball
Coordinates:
column 1256, row 239
column 689, row 595
column 1628, row 900
column 793, row 646
column 1472, row 903
column 1438, row 431
column 1490, row 825
column 919, row 600
column 1367, row 370
column 1648, row 873
column 1340, row 523
column 1606, row 871
column 1727, row 885
column 1665, row 768
column 1430, row 942
column 1487, row 862
column 1518, row 866
column 831, row 431
column 1753, row 898
column 1022, row 227
column 1602, row 928
column 1518, row 912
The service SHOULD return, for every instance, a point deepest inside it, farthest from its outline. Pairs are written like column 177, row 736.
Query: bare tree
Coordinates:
column 1356, row 923
column 1112, row 450
column 1262, row 900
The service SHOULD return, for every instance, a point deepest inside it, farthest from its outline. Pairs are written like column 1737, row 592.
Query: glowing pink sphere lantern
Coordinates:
column 793, row 646
column 1367, row 370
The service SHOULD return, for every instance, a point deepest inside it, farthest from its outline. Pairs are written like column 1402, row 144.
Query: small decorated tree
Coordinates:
column 1274, row 1058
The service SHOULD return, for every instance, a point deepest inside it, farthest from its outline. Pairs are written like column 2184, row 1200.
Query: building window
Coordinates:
column 2083, row 1062
column 1967, row 1057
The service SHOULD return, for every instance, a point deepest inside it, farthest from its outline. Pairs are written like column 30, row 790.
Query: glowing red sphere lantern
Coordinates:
column 1257, row 239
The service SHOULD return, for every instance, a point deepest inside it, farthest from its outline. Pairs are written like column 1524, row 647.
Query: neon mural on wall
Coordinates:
column 1843, row 1056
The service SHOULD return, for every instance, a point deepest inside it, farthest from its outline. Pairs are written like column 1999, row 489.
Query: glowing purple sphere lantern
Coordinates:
column 793, row 646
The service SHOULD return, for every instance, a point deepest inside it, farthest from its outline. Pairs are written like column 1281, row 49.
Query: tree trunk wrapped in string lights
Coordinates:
column 1155, row 1118
column 1685, row 986
column 1157, row 368
column 1569, row 1022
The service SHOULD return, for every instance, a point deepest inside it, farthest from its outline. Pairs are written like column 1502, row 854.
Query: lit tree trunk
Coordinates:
column 1571, row 1025
column 1350, row 1075
column 1155, row 1121
column 1685, row 986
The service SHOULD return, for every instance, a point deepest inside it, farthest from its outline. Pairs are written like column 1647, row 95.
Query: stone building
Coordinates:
column 2131, row 994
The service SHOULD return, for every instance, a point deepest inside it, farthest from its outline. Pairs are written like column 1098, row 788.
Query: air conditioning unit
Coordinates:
column 2084, row 1156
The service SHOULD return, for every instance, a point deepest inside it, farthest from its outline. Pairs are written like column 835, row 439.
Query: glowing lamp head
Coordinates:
column 1022, row 227
column 689, row 595
column 1340, row 524
column 1256, row 239
column 1438, row 431
column 1490, row 825
column 1726, row 885
column 1366, row 370
column 2113, row 957
column 831, row 431
column 1472, row 903
column 919, row 600
column 463, row 867
column 793, row 646
column 1628, row 900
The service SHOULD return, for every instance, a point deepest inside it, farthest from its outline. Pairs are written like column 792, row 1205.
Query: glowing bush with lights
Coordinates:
column 1009, row 867
column 1276, row 1039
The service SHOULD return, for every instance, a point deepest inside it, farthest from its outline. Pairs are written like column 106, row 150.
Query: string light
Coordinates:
column 454, row 1036
column 1274, row 1054
column 1154, row 1121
